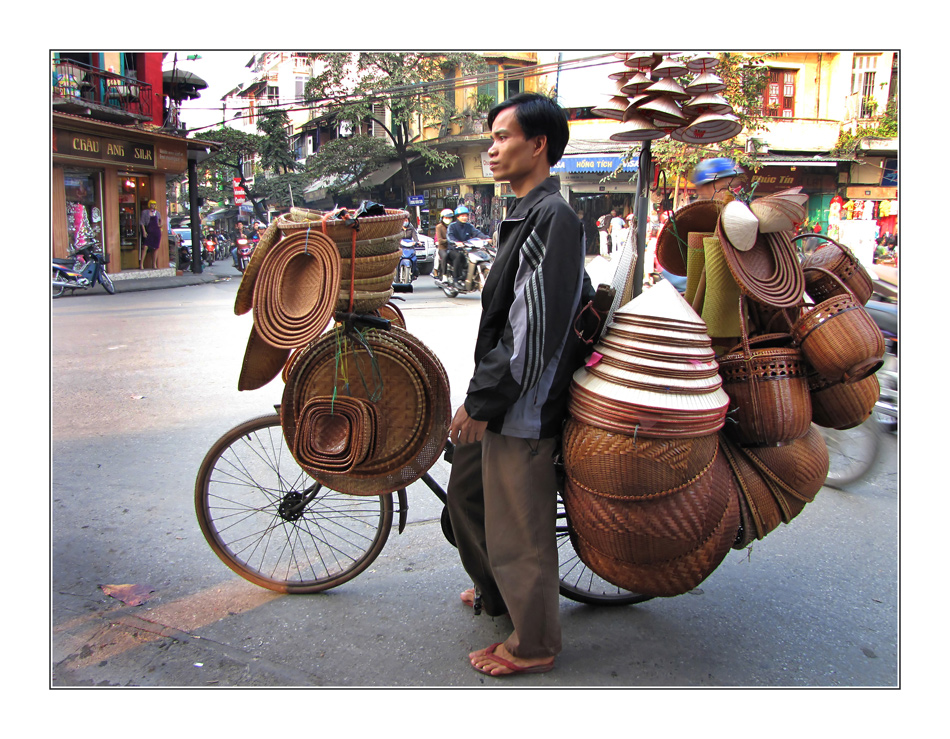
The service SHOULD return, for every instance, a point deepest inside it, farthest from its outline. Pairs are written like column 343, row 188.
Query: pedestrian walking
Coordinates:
column 502, row 493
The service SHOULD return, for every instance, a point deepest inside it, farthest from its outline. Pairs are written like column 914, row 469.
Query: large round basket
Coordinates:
column 341, row 230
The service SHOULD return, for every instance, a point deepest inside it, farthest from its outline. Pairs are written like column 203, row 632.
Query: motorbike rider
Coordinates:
column 442, row 238
column 409, row 233
column 238, row 234
column 712, row 178
column 458, row 233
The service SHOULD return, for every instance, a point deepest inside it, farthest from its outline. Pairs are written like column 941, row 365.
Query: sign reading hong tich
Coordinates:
column 86, row 146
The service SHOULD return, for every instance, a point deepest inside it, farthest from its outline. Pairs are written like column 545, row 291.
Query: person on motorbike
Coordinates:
column 712, row 178
column 442, row 238
column 238, row 234
column 458, row 233
column 409, row 233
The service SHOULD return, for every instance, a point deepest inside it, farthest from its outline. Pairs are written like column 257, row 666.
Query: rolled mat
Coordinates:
column 721, row 305
column 695, row 259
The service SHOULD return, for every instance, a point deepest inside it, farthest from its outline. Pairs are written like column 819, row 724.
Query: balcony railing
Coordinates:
column 79, row 85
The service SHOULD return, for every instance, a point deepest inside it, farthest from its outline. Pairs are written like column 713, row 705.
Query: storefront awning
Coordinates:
column 591, row 163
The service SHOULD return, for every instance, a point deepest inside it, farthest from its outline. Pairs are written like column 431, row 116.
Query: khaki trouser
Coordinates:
column 502, row 501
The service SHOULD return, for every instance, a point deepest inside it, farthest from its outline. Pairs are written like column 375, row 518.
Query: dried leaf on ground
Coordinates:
column 131, row 595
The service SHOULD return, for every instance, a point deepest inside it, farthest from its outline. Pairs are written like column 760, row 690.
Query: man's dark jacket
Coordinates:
column 527, row 351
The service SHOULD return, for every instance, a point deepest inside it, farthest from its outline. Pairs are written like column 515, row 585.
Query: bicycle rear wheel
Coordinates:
column 578, row 581
column 277, row 527
column 851, row 453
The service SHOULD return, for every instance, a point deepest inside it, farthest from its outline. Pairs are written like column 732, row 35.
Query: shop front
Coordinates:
column 818, row 180
column 103, row 177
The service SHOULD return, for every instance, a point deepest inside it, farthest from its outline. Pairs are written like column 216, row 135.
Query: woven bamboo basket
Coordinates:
column 632, row 467
column 798, row 469
column 370, row 227
column 839, row 339
column 368, row 267
column 837, row 405
column 840, row 261
column 761, row 510
column 765, row 379
column 649, row 529
column 673, row 576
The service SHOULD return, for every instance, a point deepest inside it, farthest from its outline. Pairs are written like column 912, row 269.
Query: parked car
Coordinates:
column 425, row 254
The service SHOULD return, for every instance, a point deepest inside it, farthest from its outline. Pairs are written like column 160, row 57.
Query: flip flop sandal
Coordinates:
column 515, row 669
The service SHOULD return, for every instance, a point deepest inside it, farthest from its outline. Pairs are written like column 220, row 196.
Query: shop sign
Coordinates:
column 579, row 164
column 171, row 157
column 99, row 148
column 239, row 195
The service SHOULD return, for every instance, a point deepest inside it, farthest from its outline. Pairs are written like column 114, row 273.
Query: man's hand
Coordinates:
column 465, row 429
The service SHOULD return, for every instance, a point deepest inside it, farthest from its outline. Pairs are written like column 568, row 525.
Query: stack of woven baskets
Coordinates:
column 655, row 499
column 366, row 411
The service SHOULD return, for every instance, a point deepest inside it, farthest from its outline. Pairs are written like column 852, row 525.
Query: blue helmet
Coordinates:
column 461, row 209
column 710, row 170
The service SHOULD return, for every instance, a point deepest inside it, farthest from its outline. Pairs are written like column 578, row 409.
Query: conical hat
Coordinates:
column 662, row 301
column 613, row 108
column 740, row 225
column 709, row 102
column 669, row 68
column 668, row 86
column 636, row 84
column 703, row 62
column 706, row 82
column 637, row 128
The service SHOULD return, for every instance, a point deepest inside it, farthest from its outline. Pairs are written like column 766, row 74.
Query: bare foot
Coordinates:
column 497, row 661
column 468, row 597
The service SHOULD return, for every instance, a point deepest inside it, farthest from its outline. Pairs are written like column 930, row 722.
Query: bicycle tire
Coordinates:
column 851, row 453
column 577, row 581
column 249, row 501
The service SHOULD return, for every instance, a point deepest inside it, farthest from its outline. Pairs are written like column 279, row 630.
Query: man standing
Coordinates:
column 502, row 493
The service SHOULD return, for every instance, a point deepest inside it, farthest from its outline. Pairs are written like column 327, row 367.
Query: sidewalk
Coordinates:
column 221, row 271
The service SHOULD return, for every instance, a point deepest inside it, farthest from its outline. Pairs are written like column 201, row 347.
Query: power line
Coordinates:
column 428, row 88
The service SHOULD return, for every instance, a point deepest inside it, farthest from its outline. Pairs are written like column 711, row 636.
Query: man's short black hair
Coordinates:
column 538, row 115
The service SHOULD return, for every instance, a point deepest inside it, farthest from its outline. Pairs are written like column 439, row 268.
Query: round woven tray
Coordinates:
column 262, row 362
column 411, row 395
column 294, row 293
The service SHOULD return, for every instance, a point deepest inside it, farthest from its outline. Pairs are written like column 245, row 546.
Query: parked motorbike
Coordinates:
column 244, row 251
column 408, row 269
column 478, row 260
column 81, row 272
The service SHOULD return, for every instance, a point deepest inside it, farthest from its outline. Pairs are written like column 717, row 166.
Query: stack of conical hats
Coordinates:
column 652, row 504
column 654, row 372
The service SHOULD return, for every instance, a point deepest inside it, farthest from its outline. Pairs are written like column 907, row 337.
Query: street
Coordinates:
column 144, row 382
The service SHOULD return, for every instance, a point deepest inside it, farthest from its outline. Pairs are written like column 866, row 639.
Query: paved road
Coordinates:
column 142, row 384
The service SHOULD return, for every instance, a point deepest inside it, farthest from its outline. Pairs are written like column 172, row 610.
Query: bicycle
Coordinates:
column 277, row 527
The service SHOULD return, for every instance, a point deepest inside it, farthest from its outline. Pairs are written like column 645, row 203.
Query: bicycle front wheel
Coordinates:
column 277, row 527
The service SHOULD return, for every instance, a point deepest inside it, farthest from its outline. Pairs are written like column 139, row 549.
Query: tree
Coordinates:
column 349, row 161
column 414, row 87
column 275, row 150
column 236, row 147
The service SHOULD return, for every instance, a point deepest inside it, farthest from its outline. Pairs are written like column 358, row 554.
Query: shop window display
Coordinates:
column 83, row 210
